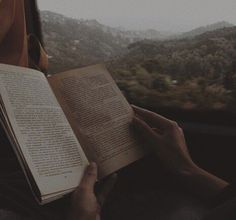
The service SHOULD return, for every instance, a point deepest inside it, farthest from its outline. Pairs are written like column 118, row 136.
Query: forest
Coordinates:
column 194, row 71
column 190, row 73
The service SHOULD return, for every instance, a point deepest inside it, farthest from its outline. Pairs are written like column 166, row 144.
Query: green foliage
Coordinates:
column 187, row 73
column 161, row 83
column 197, row 72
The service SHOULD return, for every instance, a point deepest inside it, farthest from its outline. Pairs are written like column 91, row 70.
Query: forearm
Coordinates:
column 202, row 183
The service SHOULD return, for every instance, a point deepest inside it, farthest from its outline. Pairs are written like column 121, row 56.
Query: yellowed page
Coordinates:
column 99, row 115
column 45, row 137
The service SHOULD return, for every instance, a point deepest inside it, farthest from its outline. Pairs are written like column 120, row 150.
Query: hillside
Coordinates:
column 201, row 30
column 73, row 43
column 197, row 73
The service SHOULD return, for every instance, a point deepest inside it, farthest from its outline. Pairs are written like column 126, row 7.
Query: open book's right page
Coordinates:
column 99, row 115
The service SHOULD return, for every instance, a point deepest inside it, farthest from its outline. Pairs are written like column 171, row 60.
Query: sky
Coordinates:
column 163, row 15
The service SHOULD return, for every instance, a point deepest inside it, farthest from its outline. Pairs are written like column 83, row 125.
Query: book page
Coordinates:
column 99, row 115
column 47, row 142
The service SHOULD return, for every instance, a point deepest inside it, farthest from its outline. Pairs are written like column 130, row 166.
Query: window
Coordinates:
column 177, row 58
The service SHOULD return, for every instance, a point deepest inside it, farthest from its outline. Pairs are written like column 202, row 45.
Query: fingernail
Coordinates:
column 92, row 166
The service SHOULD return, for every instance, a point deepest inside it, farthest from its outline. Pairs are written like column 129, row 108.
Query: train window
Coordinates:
column 177, row 58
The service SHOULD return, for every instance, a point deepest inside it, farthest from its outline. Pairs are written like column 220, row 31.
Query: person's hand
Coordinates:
column 166, row 138
column 85, row 204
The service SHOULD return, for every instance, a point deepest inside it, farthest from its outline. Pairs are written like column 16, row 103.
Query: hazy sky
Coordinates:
column 170, row 15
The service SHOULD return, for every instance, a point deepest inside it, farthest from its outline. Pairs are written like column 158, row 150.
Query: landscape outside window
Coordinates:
column 183, row 59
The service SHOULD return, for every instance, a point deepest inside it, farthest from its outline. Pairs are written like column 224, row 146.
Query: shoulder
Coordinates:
column 7, row 14
column 8, row 9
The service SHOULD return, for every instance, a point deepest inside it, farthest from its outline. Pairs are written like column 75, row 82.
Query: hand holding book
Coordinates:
column 84, row 203
column 57, row 124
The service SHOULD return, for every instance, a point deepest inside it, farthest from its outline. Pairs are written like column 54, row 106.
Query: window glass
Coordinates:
column 170, row 56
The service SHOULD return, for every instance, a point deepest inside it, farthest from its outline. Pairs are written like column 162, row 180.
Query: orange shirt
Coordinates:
column 14, row 41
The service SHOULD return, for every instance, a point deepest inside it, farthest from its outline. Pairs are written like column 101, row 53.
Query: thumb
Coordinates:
column 145, row 131
column 90, row 177
column 106, row 189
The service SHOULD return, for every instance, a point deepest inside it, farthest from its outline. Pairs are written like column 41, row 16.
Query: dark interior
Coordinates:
column 145, row 185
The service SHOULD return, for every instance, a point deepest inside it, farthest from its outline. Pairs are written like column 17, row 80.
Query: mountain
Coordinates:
column 220, row 43
column 204, row 29
column 195, row 71
column 130, row 35
column 137, row 35
column 187, row 73
column 73, row 43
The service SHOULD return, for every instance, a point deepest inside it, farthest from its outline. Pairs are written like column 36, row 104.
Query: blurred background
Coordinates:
column 164, row 55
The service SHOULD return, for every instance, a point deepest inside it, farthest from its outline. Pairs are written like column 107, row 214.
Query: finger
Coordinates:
column 145, row 130
column 106, row 189
column 152, row 118
column 90, row 177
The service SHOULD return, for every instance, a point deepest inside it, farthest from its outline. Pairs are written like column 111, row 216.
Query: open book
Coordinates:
column 56, row 125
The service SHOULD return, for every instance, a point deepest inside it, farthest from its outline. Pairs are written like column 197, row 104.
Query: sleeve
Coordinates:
column 7, row 13
column 224, row 211
column 225, row 195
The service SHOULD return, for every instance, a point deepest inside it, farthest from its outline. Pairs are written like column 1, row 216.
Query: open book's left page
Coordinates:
column 46, row 141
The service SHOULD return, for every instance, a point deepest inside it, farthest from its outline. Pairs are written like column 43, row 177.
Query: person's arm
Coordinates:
column 167, row 140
